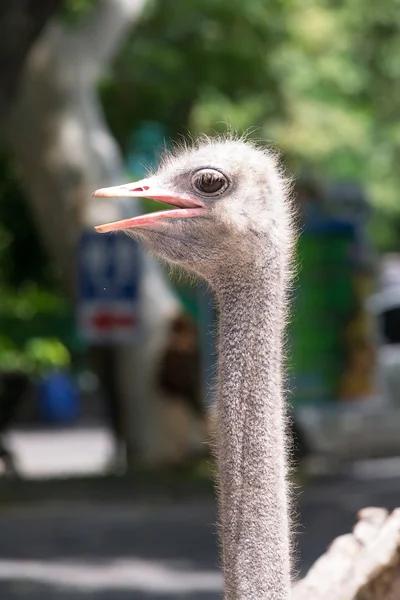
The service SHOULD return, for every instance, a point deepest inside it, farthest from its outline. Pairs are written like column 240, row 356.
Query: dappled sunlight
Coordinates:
column 83, row 451
column 119, row 574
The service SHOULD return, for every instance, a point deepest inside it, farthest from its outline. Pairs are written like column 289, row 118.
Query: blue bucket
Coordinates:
column 59, row 400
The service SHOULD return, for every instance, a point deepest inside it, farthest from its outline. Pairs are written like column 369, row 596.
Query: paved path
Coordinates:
column 112, row 553
column 160, row 551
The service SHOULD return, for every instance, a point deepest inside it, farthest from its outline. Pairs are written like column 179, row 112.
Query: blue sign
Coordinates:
column 108, row 287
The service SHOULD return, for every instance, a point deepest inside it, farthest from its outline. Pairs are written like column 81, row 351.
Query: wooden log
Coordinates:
column 362, row 565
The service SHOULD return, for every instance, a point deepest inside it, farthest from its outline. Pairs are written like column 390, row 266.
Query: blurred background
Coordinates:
column 107, row 358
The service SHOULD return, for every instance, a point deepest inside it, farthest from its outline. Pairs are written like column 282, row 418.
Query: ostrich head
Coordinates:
column 229, row 202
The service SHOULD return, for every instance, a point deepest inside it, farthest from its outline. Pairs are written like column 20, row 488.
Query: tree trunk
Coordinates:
column 65, row 150
column 21, row 22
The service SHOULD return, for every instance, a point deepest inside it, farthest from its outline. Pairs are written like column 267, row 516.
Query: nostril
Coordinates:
column 141, row 189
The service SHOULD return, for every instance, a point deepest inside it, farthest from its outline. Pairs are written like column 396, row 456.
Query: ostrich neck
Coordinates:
column 251, row 436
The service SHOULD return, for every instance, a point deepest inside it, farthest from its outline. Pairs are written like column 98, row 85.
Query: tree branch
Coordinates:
column 363, row 565
column 93, row 44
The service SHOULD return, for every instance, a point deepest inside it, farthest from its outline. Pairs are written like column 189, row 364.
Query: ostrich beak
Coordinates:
column 148, row 188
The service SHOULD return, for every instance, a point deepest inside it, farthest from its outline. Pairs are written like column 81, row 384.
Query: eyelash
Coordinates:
column 218, row 175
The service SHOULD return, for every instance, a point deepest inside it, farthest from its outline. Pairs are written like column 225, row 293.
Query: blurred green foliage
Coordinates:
column 23, row 259
column 37, row 355
column 32, row 307
column 320, row 79
column 73, row 12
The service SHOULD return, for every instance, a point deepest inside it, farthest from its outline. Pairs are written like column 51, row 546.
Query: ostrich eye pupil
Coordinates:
column 210, row 182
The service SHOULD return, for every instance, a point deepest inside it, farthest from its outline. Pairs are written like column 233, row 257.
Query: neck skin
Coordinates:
column 251, row 436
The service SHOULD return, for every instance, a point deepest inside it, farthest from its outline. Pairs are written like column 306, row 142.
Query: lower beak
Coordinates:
column 148, row 188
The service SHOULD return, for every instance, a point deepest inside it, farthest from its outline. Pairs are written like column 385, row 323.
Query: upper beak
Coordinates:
column 148, row 188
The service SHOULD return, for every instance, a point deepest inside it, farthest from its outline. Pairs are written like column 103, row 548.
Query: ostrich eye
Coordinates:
column 209, row 182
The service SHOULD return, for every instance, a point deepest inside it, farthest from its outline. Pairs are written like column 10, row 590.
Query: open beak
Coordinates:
column 148, row 188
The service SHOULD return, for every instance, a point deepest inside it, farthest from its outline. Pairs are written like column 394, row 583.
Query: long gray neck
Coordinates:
column 251, row 435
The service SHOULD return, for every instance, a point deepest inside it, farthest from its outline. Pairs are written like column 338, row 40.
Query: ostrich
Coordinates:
column 232, row 225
